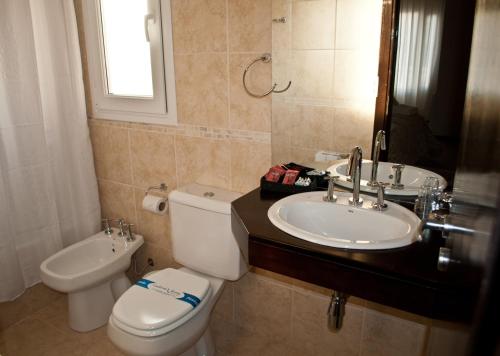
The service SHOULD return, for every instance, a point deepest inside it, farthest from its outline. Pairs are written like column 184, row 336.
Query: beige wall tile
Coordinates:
column 153, row 159
column 310, row 307
column 161, row 256
column 250, row 25
column 356, row 76
column 201, row 85
column 204, row 161
column 281, row 154
column 276, row 277
column 398, row 313
column 263, row 307
column 282, row 31
column 312, row 127
column 281, row 132
column 247, row 112
column 199, row 25
column 388, row 335
column 302, row 155
column 302, row 286
column 347, row 340
column 111, row 153
column 283, row 74
column 312, row 74
column 310, row 329
column 358, row 24
column 313, row 24
column 352, row 127
column 249, row 162
column 154, row 228
column 447, row 339
column 333, row 61
column 117, row 201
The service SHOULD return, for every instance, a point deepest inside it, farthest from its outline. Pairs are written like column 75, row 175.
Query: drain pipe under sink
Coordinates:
column 336, row 311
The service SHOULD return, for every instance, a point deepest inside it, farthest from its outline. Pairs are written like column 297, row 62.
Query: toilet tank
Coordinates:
column 202, row 238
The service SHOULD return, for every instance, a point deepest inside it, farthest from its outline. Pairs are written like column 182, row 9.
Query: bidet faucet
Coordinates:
column 107, row 227
column 354, row 170
column 121, row 225
column 130, row 234
column 379, row 145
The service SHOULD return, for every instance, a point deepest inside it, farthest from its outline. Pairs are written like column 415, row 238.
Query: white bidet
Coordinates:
column 92, row 272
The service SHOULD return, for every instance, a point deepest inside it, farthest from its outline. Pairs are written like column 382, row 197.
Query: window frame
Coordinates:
column 162, row 108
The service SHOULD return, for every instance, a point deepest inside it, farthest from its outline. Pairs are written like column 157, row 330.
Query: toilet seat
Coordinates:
column 161, row 302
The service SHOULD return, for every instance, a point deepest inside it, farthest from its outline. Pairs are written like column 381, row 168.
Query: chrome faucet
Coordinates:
column 121, row 225
column 379, row 145
column 107, row 227
column 354, row 170
column 130, row 234
column 398, row 171
column 380, row 205
column 330, row 196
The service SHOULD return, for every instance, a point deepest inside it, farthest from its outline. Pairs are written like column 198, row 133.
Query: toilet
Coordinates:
column 168, row 311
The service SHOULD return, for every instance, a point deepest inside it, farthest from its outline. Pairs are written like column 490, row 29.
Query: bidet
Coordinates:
column 92, row 272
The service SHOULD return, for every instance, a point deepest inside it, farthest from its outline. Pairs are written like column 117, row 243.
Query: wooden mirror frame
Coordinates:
column 387, row 54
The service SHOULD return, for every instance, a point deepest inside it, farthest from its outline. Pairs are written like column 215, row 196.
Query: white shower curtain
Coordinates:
column 419, row 49
column 48, row 188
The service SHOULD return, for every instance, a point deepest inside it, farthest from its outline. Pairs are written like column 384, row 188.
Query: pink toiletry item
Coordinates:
column 274, row 174
column 290, row 177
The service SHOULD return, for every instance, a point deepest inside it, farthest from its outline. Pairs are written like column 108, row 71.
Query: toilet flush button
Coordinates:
column 208, row 194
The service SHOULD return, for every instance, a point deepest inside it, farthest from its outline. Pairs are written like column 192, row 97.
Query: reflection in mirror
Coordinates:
column 430, row 78
column 329, row 50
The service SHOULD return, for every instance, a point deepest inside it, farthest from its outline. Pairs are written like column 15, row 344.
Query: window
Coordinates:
column 130, row 58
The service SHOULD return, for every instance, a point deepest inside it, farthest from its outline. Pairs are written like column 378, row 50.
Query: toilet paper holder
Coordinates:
column 162, row 187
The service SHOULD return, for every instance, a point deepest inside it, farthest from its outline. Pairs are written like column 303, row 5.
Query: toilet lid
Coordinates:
column 160, row 300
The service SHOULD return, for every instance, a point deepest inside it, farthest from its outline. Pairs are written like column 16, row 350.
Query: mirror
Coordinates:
column 329, row 50
column 430, row 78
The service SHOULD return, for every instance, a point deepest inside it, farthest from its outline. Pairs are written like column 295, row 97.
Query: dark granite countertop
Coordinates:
column 405, row 278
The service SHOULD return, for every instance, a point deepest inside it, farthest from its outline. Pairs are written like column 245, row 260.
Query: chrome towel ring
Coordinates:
column 266, row 58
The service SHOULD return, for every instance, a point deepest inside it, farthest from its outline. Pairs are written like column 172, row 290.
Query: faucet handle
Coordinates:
column 398, row 171
column 121, row 225
column 107, row 227
column 130, row 234
column 380, row 205
column 330, row 197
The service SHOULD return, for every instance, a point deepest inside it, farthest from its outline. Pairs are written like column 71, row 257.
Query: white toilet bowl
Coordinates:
column 154, row 322
column 168, row 312
column 92, row 272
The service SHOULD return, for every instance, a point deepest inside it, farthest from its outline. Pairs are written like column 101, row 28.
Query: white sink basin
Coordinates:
column 412, row 177
column 307, row 217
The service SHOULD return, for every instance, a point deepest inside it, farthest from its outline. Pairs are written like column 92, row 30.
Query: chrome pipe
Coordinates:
column 336, row 311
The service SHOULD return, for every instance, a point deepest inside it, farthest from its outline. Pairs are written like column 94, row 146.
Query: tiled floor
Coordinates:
column 37, row 324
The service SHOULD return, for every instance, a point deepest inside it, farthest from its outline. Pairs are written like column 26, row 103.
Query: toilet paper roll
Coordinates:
column 154, row 204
